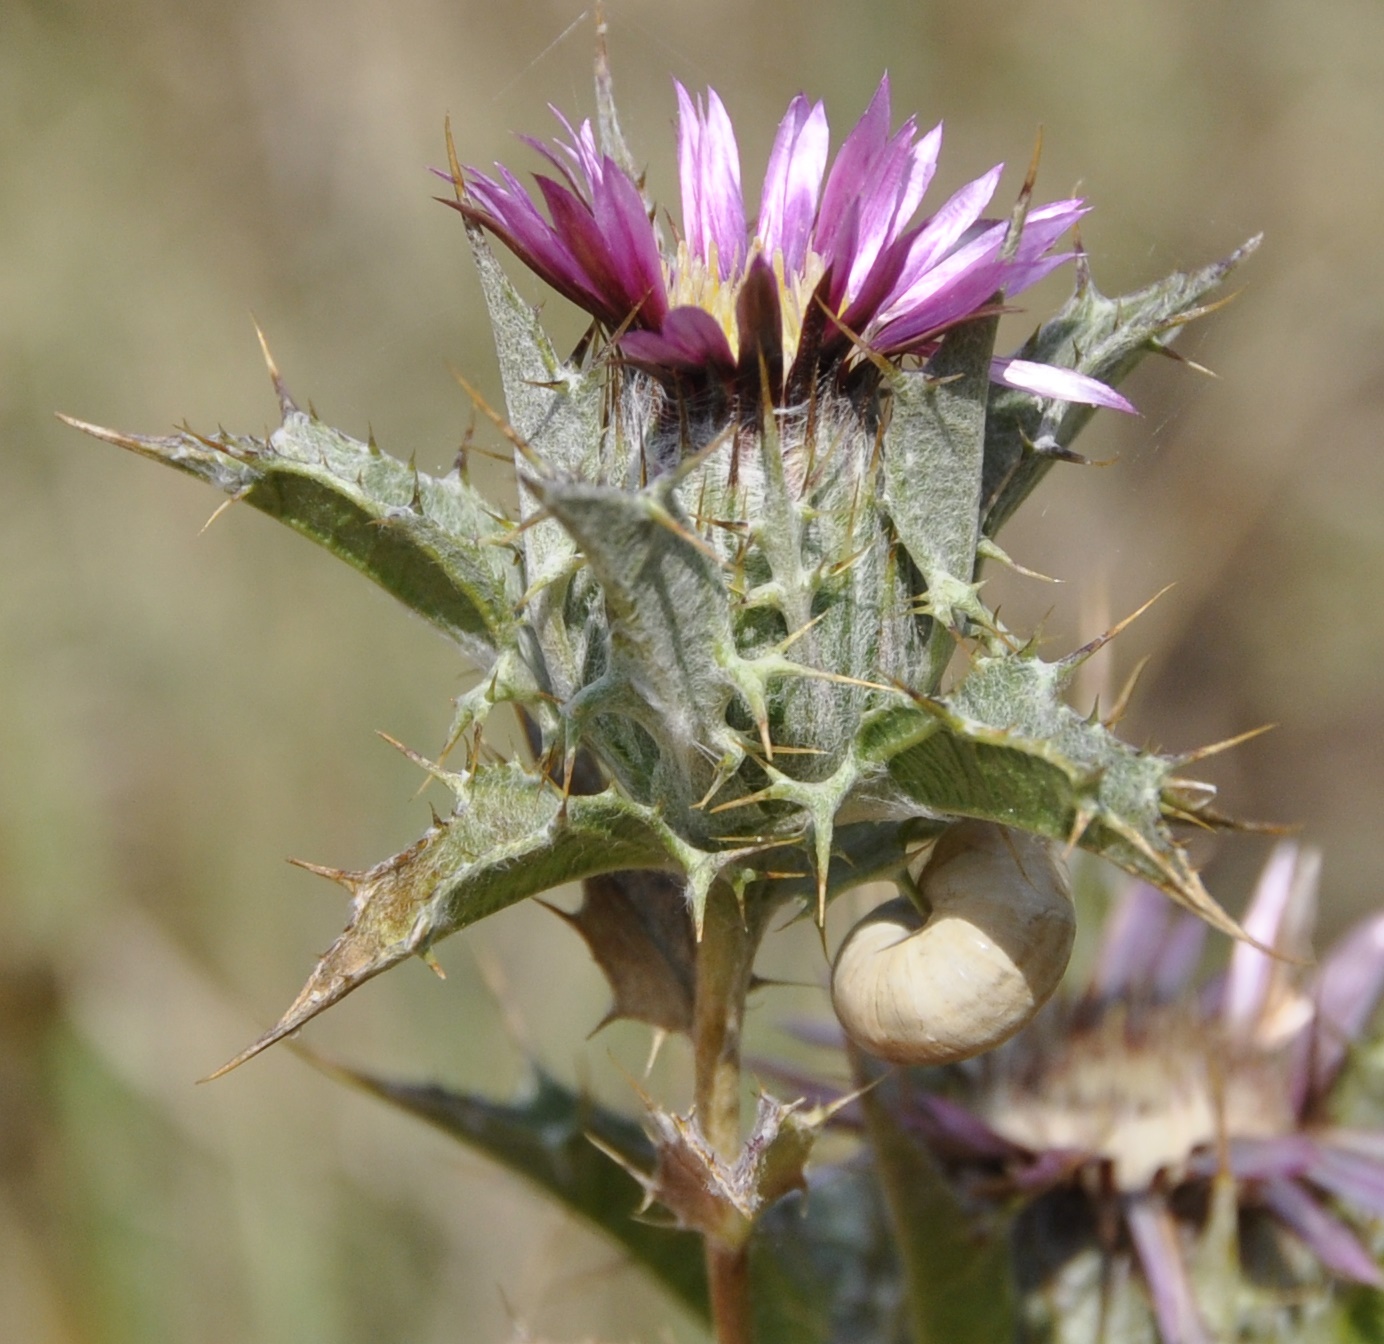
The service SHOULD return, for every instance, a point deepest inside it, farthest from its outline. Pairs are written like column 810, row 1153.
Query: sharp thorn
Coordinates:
column 1121, row 705
column 656, row 1039
column 440, row 774
column 244, row 1057
column 1020, row 212
column 799, row 632
column 765, row 741
column 1078, row 656
column 515, row 439
column 224, row 506
column 1168, row 352
column 1215, row 748
column 340, row 876
column 287, row 406
column 453, row 163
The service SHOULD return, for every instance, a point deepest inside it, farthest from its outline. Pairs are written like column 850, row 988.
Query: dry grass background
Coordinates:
column 180, row 711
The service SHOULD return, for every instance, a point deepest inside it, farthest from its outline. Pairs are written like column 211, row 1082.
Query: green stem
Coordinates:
column 956, row 1268
column 725, row 963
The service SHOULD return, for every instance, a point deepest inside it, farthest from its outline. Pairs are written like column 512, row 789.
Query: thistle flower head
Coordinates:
column 835, row 265
column 1126, row 1112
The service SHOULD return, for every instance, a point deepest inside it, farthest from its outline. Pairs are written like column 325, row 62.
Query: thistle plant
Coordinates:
column 740, row 617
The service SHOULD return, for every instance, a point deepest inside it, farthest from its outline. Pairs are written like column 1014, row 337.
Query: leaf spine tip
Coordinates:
column 287, row 406
column 515, row 439
column 1121, row 705
column 341, row 876
column 1020, row 213
column 452, row 780
column 223, row 507
column 1215, row 748
column 1074, row 660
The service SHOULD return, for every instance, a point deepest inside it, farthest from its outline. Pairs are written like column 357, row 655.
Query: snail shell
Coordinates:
column 934, row 990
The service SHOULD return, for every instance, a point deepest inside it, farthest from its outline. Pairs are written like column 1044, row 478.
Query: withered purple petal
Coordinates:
column 1364, row 1142
column 1279, row 916
column 1154, row 1234
column 1331, row 1241
column 1281, row 1158
column 1352, row 1177
column 1347, row 991
column 1134, row 930
column 958, row 1131
column 1178, row 956
column 1049, row 1168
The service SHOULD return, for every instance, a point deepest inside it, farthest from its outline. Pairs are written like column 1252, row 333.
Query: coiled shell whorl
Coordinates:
column 932, row 990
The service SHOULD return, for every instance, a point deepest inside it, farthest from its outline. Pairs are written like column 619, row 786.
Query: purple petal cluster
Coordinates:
column 1231, row 1077
column 1140, row 1092
column 599, row 249
column 835, row 263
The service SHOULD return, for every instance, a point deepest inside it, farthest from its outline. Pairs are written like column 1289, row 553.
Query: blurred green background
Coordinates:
column 180, row 711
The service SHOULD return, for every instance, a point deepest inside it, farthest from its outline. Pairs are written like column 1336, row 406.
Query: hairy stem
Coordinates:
column 725, row 962
column 728, row 1275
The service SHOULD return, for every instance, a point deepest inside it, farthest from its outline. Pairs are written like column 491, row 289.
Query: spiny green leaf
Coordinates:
column 428, row 541
column 933, row 449
column 1102, row 337
column 553, row 409
column 1005, row 747
column 672, row 652
column 822, row 1264
column 546, row 1136
column 509, row 837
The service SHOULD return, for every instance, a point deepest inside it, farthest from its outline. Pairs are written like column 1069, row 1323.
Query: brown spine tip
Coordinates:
column 287, row 406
